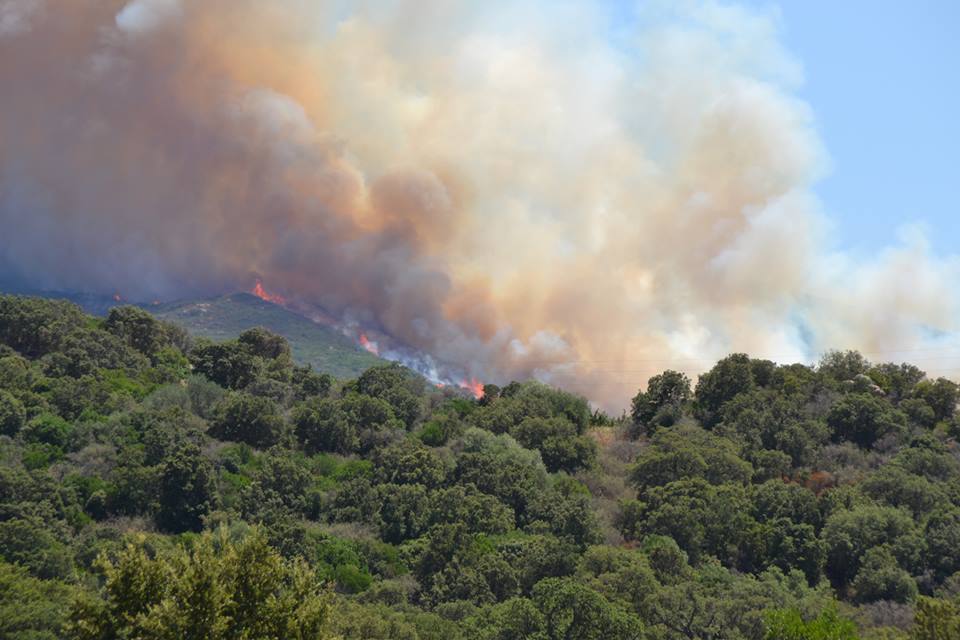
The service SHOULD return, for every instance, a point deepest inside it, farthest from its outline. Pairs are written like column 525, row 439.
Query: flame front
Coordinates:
column 372, row 347
column 474, row 386
column 263, row 294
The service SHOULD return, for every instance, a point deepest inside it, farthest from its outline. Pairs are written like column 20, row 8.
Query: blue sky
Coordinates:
column 883, row 81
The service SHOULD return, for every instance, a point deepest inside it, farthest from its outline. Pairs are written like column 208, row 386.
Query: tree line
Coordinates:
column 153, row 485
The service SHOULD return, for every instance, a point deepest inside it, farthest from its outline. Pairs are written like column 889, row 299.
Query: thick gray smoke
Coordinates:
column 516, row 187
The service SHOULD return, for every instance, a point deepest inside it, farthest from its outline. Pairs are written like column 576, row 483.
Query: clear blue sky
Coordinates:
column 883, row 80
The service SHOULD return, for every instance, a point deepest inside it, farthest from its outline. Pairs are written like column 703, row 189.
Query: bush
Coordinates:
column 12, row 414
column 246, row 418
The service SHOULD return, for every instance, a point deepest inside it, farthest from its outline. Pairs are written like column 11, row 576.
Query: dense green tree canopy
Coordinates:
column 156, row 486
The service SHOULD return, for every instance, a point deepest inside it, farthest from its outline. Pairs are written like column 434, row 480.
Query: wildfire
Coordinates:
column 263, row 294
column 474, row 386
column 367, row 344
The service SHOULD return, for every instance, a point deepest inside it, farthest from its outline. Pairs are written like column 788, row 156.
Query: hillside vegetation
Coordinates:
column 225, row 318
column 157, row 485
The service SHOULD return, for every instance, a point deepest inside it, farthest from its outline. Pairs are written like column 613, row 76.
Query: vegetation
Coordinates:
column 154, row 485
column 225, row 318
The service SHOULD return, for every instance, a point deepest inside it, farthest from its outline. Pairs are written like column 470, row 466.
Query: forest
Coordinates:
column 155, row 486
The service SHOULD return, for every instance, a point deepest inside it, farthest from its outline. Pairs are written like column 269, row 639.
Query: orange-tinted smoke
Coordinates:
column 497, row 184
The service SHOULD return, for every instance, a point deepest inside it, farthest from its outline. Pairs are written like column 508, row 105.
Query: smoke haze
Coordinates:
column 518, row 188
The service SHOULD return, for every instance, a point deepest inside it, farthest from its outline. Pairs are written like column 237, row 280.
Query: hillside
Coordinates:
column 226, row 317
column 322, row 347
column 761, row 502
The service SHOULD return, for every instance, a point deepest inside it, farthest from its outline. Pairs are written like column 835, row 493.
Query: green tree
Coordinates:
column 403, row 512
column 138, row 329
column 30, row 543
column 897, row 487
column 48, row 429
column 881, row 578
column 942, row 535
column 936, row 619
column 229, row 364
column 731, row 376
column 561, row 448
column 515, row 619
column 311, row 384
column 688, row 452
column 321, row 425
column 841, row 366
column 661, row 405
column 498, row 466
column 789, row 624
column 897, row 380
column 280, row 479
column 397, row 386
column 863, row 419
column 703, row 519
column 573, row 610
column 849, row 533
column 265, row 344
column 34, row 326
column 250, row 419
column 777, row 499
column 216, row 590
column 788, row 545
column 12, row 414
column 769, row 419
column 941, row 394
column 408, row 462
column 187, row 491
column 31, row 609
column 480, row 512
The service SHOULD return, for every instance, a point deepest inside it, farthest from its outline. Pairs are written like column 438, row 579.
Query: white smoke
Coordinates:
column 518, row 188
column 140, row 16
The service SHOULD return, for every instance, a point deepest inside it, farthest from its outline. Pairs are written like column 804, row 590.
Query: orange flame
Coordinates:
column 262, row 293
column 474, row 386
column 372, row 347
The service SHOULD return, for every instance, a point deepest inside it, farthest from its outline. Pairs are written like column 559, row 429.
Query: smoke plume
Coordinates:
column 518, row 188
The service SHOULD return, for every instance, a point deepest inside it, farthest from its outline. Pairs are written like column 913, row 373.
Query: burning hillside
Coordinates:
column 440, row 374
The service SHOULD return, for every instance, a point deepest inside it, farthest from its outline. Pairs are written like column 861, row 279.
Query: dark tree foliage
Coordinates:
column 863, row 419
column 12, row 414
column 772, row 502
column 264, row 344
column 246, row 418
column 186, row 490
column 229, row 364
column 689, row 452
column 558, row 443
column 662, row 404
column 840, row 366
column 35, row 327
column 731, row 376
column 139, row 330
column 408, row 462
column 324, row 426
column 940, row 395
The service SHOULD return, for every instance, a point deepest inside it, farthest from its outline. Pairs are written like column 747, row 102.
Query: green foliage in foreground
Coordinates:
column 153, row 486
column 214, row 590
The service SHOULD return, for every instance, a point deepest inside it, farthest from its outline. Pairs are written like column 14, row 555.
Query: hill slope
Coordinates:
column 226, row 317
